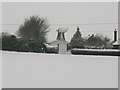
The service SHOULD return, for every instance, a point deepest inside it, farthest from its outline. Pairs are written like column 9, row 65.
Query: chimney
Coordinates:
column 115, row 35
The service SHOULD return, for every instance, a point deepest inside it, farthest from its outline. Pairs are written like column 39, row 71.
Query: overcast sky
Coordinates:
column 91, row 17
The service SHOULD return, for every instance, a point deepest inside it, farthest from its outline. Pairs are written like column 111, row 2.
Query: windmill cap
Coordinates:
column 62, row 29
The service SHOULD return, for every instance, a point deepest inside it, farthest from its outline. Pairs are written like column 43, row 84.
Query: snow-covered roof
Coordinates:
column 50, row 46
column 116, row 43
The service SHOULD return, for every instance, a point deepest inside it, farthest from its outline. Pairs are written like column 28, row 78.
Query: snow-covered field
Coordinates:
column 35, row 70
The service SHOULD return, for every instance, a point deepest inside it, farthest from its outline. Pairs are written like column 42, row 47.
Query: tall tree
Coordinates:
column 77, row 40
column 34, row 28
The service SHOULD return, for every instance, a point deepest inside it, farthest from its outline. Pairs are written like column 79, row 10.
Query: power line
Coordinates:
column 86, row 24
column 72, row 30
column 72, row 24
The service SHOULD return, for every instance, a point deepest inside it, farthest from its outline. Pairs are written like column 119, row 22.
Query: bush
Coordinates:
column 52, row 50
column 85, row 52
column 32, row 46
column 9, row 42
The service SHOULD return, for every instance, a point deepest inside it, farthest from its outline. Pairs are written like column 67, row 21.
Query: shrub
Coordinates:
column 9, row 42
column 32, row 46
column 51, row 50
column 97, row 52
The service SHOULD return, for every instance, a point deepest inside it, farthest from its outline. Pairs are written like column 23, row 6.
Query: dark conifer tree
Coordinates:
column 77, row 41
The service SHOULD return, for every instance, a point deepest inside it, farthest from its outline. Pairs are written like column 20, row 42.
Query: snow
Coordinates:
column 50, row 46
column 63, row 29
column 116, row 43
column 36, row 70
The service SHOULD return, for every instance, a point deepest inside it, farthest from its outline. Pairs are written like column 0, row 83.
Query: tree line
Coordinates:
column 97, row 41
column 32, row 36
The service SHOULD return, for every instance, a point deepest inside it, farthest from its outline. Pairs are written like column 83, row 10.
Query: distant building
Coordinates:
column 116, row 43
column 60, row 42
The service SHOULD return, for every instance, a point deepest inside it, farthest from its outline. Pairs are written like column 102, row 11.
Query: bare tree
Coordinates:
column 34, row 28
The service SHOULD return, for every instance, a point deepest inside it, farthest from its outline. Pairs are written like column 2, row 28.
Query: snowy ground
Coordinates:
column 28, row 70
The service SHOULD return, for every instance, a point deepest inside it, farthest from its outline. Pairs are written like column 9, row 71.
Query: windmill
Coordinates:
column 60, row 41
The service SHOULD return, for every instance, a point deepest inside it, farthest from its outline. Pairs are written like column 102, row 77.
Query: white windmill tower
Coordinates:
column 62, row 44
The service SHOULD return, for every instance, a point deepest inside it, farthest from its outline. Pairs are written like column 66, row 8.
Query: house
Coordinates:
column 60, row 42
column 116, row 43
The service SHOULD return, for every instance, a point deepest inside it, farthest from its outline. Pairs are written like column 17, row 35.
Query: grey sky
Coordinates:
column 81, row 13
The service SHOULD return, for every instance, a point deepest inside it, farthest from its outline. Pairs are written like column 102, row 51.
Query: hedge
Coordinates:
column 93, row 52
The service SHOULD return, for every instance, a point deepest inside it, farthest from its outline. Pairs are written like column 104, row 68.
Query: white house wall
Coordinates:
column 62, row 48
